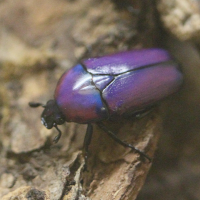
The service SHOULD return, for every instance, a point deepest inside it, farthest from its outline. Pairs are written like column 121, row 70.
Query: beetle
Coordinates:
column 121, row 84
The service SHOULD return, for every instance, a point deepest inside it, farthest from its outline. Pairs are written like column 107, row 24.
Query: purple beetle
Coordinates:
column 121, row 84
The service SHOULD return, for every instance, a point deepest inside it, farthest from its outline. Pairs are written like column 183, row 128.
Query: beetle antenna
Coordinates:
column 57, row 138
column 35, row 105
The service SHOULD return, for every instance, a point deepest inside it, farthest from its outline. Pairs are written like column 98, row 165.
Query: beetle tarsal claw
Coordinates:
column 142, row 154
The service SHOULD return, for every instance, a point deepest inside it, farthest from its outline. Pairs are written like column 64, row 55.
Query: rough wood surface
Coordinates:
column 39, row 41
column 181, row 18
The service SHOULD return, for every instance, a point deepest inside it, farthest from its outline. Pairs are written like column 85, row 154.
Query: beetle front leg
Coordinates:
column 57, row 138
column 86, row 143
column 114, row 137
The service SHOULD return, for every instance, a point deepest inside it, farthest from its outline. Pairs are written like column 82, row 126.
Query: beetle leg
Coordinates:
column 57, row 138
column 144, row 112
column 114, row 137
column 87, row 140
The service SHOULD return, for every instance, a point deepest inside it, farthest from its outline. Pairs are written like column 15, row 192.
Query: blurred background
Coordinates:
column 40, row 39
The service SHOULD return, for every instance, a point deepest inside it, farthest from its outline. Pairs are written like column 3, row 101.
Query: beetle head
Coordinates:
column 51, row 116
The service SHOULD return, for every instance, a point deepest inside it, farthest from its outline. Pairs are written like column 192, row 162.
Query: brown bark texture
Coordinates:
column 40, row 39
column 181, row 18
